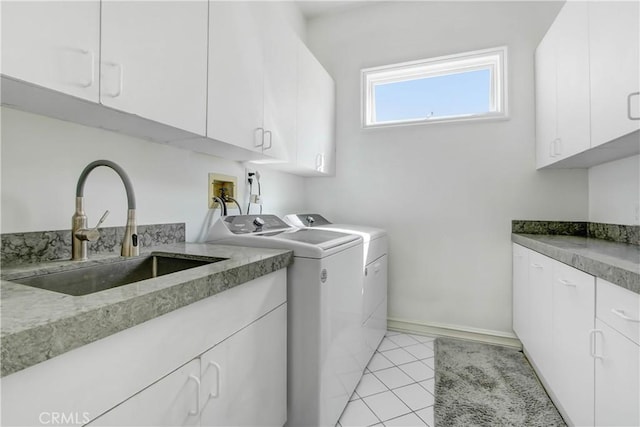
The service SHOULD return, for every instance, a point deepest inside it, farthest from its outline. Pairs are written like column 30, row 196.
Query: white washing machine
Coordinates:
column 374, row 291
column 324, row 285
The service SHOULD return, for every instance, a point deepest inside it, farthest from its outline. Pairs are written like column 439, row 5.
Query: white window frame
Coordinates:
column 494, row 59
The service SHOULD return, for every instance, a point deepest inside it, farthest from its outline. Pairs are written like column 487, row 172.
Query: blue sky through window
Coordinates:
column 448, row 95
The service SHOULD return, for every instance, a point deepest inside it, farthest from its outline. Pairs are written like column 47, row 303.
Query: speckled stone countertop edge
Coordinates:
column 612, row 232
column 616, row 274
column 77, row 321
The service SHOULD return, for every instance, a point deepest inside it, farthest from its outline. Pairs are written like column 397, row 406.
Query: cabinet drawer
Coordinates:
column 619, row 308
column 567, row 276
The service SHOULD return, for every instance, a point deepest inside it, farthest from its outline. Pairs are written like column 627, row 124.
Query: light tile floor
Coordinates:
column 397, row 387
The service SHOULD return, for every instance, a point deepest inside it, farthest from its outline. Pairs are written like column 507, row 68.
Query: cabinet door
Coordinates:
column 546, row 98
column 573, row 319
column 617, row 395
column 615, row 66
column 154, row 60
column 53, row 44
column 521, row 299
column 539, row 349
column 316, row 114
column 572, row 76
column 236, row 73
column 244, row 378
column 280, row 48
column 172, row 401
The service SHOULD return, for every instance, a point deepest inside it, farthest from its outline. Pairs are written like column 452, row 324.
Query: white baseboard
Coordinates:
column 451, row 331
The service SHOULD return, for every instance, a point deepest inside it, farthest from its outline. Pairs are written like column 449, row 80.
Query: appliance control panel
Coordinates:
column 243, row 224
column 312, row 219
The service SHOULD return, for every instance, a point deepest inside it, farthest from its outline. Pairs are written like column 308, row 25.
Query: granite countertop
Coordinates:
column 618, row 263
column 38, row 324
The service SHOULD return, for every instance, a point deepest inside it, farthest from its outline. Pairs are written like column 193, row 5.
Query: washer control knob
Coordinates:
column 310, row 220
column 258, row 222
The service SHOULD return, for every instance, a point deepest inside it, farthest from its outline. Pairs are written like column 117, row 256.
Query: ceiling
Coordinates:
column 314, row 8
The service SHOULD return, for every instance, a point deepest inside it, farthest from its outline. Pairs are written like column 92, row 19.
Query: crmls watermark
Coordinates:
column 64, row 418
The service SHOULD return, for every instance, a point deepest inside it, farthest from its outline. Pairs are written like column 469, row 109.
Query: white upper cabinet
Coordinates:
column 546, row 100
column 614, row 37
column 562, row 86
column 587, row 85
column 228, row 78
column 236, row 75
column 252, row 78
column 53, row 44
column 280, row 49
column 572, row 80
column 316, row 115
column 154, row 61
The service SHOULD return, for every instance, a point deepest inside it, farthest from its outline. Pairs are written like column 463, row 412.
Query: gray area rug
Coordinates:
column 488, row 385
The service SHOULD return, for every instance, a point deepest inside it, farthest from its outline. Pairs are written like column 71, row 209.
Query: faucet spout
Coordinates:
column 79, row 234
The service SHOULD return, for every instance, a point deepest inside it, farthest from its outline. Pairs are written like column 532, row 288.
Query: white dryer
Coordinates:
column 324, row 283
column 374, row 291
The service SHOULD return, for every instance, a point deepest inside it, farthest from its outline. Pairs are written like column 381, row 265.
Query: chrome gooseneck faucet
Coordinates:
column 80, row 234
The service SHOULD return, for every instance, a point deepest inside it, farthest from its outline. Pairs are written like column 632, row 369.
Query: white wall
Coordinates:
column 446, row 193
column 614, row 192
column 42, row 159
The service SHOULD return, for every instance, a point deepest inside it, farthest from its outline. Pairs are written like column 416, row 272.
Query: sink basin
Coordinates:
column 96, row 278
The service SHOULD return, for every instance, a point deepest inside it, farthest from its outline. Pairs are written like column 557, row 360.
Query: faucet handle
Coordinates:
column 92, row 234
column 104, row 216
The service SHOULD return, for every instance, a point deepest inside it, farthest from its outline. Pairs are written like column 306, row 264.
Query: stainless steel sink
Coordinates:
column 96, row 278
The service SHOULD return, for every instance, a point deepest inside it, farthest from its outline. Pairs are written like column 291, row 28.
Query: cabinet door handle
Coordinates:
column 120, row 78
column 268, row 132
column 592, row 343
column 552, row 149
column 557, row 147
column 197, row 381
column 567, row 283
column 534, row 265
column 320, row 162
column 631, row 95
column 215, row 395
column 621, row 313
column 261, row 139
column 92, row 58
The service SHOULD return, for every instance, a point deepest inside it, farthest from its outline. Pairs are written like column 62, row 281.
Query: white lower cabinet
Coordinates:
column 521, row 302
column 572, row 364
column 172, row 401
column 244, row 378
column 164, row 371
column 540, row 295
column 239, row 382
column 617, row 400
column 582, row 337
column 617, row 356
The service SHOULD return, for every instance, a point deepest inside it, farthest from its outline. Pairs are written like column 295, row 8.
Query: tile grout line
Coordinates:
column 429, row 345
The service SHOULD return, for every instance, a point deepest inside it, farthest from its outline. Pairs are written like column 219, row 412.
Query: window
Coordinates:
column 467, row 86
